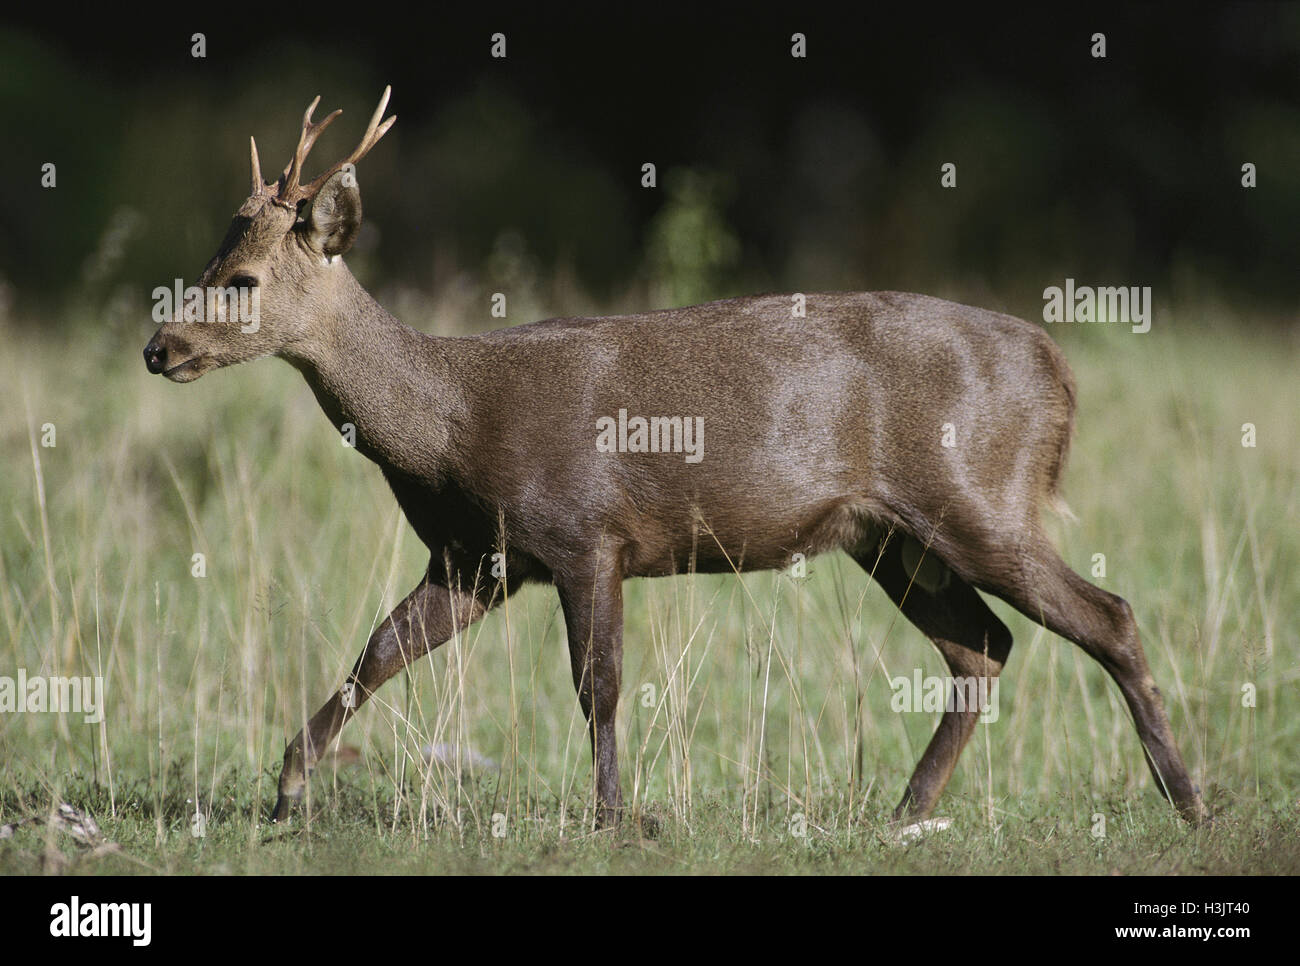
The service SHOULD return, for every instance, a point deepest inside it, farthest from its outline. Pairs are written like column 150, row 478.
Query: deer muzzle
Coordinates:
column 172, row 357
column 155, row 356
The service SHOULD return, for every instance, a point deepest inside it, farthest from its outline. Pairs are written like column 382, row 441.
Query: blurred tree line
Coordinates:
column 772, row 172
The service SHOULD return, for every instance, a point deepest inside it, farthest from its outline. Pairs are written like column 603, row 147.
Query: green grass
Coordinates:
column 753, row 708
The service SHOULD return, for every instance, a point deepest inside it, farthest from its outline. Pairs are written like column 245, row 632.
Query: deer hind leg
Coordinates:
column 973, row 642
column 1047, row 591
column 429, row 616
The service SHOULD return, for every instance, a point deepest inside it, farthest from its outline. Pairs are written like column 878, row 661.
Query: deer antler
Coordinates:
column 289, row 190
column 290, row 193
column 259, row 185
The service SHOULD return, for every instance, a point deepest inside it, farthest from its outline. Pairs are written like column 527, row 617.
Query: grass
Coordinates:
column 755, row 721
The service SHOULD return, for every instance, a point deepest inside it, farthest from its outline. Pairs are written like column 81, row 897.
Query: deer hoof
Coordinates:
column 283, row 807
column 910, row 833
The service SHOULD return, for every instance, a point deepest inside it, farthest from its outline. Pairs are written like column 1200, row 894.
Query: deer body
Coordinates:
column 920, row 436
column 804, row 420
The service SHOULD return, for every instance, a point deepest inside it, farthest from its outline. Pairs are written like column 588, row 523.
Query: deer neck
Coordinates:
column 387, row 388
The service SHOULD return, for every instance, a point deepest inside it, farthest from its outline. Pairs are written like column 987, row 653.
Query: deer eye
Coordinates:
column 243, row 281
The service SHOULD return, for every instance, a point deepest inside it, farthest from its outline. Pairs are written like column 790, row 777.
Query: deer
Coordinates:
column 817, row 432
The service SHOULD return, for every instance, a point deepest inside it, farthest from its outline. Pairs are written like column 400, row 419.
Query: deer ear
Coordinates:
column 334, row 219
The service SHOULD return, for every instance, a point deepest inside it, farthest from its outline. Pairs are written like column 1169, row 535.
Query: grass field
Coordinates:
column 756, row 718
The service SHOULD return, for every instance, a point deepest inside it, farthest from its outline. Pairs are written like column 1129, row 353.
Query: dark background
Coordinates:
column 774, row 172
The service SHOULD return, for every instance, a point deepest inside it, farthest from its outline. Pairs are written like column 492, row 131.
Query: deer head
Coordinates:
column 280, row 257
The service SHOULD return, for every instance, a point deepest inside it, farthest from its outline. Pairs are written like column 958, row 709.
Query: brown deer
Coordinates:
column 825, row 431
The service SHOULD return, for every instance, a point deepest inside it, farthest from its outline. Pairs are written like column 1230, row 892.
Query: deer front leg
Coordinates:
column 430, row 615
column 593, row 620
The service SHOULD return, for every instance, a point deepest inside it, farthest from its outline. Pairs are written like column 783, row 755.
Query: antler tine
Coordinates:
column 374, row 131
column 258, row 185
column 290, row 192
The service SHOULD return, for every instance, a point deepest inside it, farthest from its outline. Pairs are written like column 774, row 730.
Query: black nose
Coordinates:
column 155, row 357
